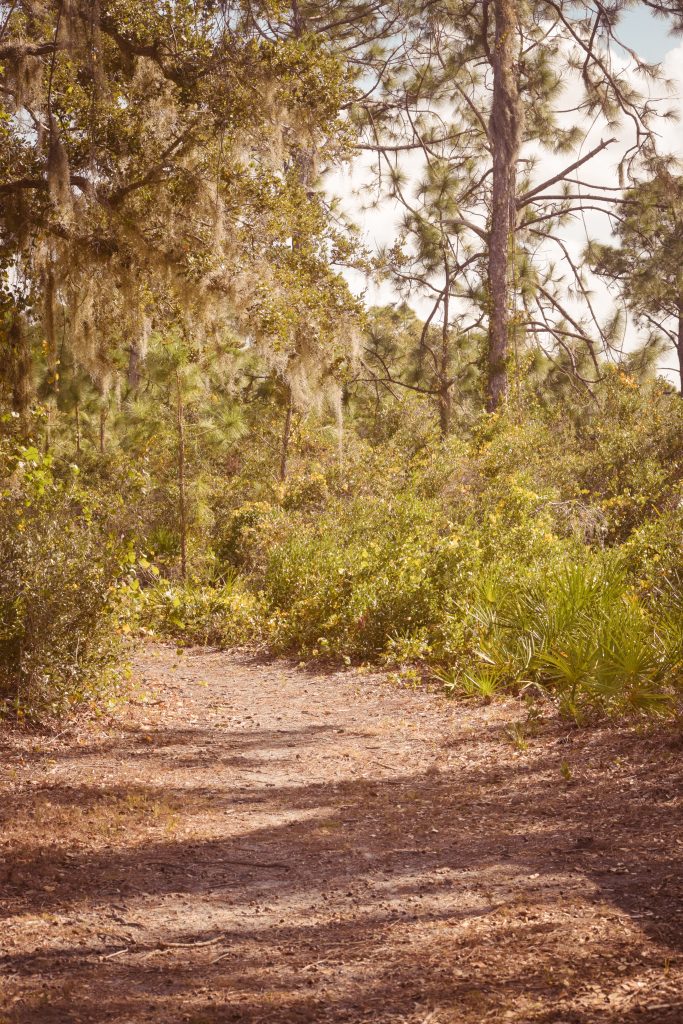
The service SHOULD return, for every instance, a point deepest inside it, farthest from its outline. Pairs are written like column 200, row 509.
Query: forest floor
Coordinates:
column 251, row 842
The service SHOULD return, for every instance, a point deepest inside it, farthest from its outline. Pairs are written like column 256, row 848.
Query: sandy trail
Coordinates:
column 250, row 842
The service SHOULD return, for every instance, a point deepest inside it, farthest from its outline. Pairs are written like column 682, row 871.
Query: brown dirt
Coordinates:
column 250, row 842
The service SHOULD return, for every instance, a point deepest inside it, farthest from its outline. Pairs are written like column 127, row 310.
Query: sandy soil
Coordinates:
column 250, row 842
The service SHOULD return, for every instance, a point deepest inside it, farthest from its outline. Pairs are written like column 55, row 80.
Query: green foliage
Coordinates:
column 646, row 266
column 583, row 635
column 517, row 605
column 305, row 492
column 362, row 574
column 210, row 403
column 63, row 571
column 242, row 533
column 538, row 556
column 501, row 562
column 223, row 615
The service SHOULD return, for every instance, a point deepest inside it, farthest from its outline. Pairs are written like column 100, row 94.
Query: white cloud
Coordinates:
column 672, row 132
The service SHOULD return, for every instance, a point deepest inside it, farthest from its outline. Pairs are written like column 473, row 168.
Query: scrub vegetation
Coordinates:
column 208, row 436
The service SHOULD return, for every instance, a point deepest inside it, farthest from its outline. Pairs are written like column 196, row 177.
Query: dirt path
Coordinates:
column 254, row 843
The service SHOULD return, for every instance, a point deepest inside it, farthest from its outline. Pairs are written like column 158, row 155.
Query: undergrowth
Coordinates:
column 520, row 558
column 534, row 556
column 65, row 572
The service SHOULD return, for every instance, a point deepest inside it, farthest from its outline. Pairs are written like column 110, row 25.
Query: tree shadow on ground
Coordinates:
column 345, row 895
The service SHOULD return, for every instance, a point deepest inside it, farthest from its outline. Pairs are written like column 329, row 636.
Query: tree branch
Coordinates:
column 523, row 200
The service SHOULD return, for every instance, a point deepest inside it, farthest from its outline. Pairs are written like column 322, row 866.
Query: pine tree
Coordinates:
column 482, row 92
column 647, row 265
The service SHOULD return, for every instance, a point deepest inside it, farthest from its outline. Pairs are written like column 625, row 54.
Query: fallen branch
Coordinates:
column 221, row 957
column 190, row 945
column 119, row 952
column 257, row 863
column 164, row 947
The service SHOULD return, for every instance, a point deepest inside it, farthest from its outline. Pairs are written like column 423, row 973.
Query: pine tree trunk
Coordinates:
column 49, row 416
column 134, row 361
column 50, row 326
column 506, row 126
column 182, row 492
column 445, row 363
column 19, row 372
column 679, row 343
column 445, row 411
column 78, row 428
column 103, row 420
column 286, row 434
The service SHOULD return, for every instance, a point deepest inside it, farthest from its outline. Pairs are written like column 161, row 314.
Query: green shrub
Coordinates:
column 63, row 570
column 542, row 552
column 308, row 491
column 654, row 553
column 581, row 633
column 241, row 533
column 360, row 577
column 486, row 586
column 222, row 615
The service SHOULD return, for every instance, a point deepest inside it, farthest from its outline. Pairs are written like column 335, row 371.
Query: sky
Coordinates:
column 647, row 34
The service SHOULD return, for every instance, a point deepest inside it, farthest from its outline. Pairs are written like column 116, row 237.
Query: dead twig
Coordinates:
column 190, row 945
column 221, row 957
column 319, row 963
column 164, row 947
column 119, row 952
column 257, row 863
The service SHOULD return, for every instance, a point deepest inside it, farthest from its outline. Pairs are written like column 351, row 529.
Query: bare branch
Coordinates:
column 528, row 196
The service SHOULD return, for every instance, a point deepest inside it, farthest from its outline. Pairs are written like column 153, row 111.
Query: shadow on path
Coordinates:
column 217, row 889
